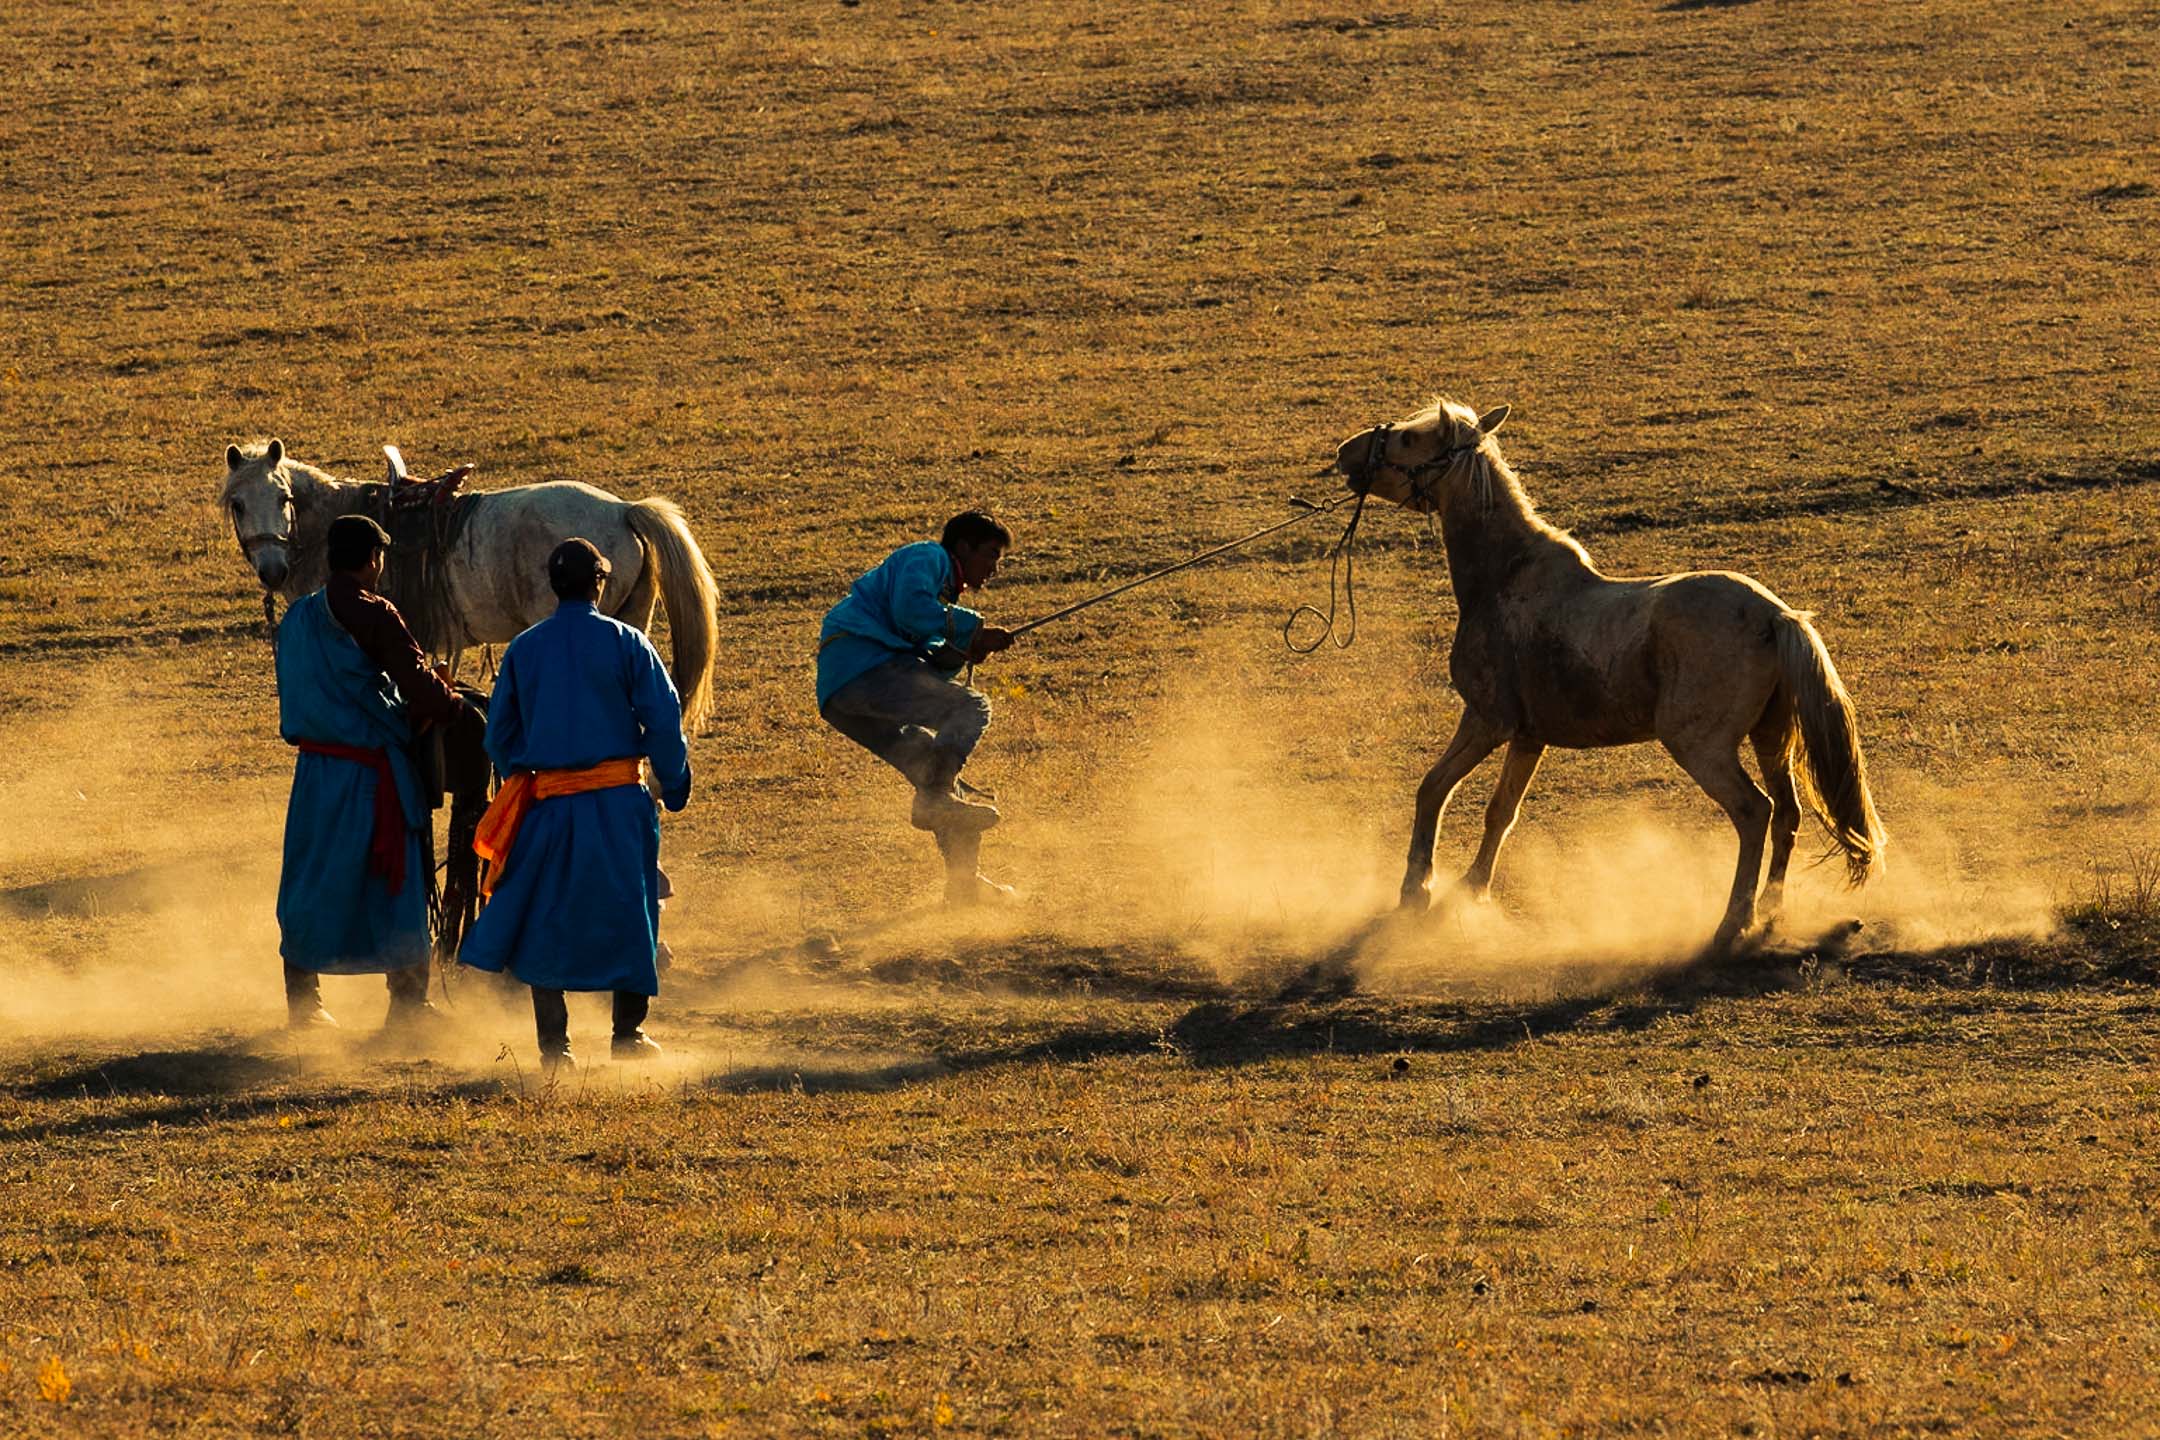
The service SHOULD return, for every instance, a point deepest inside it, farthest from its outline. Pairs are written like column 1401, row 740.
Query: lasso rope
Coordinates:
column 1306, row 513
column 1342, row 560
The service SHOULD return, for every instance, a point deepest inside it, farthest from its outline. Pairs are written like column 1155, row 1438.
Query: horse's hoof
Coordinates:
column 1834, row 942
column 1721, row 948
column 1460, row 898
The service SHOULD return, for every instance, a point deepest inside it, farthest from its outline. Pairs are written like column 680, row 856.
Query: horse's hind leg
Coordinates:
column 1716, row 767
column 1474, row 739
column 1773, row 752
column 1516, row 771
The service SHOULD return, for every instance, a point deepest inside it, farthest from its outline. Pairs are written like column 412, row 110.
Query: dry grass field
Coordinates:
column 1855, row 297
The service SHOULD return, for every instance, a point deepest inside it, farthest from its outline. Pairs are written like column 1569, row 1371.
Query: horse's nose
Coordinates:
column 272, row 572
column 1354, row 459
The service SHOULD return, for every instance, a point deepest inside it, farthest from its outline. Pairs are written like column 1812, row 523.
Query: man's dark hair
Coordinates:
column 574, row 566
column 353, row 541
column 975, row 527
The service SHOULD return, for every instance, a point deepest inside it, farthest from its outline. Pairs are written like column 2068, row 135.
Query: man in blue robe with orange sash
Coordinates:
column 572, row 839
column 353, row 688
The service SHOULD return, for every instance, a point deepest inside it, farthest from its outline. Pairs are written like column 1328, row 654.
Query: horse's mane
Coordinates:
column 1493, row 483
column 299, row 469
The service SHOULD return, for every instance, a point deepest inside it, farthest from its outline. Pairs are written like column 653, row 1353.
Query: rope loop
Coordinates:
column 1342, row 572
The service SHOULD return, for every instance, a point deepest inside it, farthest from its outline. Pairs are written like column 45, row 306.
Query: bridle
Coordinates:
column 1376, row 453
column 248, row 543
column 248, row 546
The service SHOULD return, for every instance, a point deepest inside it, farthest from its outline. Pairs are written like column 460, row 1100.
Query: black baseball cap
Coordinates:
column 576, row 563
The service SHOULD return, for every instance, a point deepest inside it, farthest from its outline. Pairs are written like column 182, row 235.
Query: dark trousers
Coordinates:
column 303, row 988
column 551, row 1013
column 911, row 715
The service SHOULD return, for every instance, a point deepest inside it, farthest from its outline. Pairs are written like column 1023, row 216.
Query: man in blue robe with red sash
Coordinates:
column 353, row 688
column 573, row 839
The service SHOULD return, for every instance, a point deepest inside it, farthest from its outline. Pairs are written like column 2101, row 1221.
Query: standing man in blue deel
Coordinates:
column 888, row 677
column 572, row 838
column 353, row 689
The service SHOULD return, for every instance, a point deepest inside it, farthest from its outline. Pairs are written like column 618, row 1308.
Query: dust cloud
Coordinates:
column 138, row 867
column 132, row 874
column 1231, row 830
column 139, row 871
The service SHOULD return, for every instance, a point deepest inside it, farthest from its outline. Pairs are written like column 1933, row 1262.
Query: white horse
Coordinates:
column 1549, row 651
column 474, row 571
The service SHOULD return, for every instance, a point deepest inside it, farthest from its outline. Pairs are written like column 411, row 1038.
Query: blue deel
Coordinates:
column 577, row 906
column 333, row 915
column 897, row 608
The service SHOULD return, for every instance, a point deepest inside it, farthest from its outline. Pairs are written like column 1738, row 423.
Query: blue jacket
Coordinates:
column 902, row 607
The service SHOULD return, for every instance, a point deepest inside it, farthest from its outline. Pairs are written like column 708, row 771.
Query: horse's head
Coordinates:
column 1408, row 461
column 258, row 499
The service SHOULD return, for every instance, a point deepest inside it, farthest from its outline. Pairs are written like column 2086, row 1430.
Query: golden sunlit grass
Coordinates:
column 1852, row 297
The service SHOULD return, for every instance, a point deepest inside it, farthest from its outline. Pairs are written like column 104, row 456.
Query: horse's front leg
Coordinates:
column 1474, row 739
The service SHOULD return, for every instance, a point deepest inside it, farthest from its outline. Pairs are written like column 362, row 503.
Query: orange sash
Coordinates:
column 498, row 828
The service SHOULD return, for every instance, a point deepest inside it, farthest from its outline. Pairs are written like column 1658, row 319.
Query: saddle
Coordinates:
column 407, row 493
column 424, row 519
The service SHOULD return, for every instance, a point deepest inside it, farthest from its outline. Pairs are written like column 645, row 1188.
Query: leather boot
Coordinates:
column 941, row 806
column 411, row 1015
column 965, row 892
column 551, row 1019
column 965, row 885
column 303, row 1001
column 630, row 1041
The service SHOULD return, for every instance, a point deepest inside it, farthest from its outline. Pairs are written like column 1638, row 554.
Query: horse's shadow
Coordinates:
column 1317, row 1007
column 1223, row 1033
column 1322, row 1009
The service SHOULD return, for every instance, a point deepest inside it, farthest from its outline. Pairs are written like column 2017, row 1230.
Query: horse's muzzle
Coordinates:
column 1354, row 459
column 271, row 572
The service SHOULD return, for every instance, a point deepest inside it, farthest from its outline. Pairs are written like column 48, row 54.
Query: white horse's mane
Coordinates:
column 253, row 450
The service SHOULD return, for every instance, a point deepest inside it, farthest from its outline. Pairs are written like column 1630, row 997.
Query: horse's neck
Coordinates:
column 318, row 498
column 1491, row 534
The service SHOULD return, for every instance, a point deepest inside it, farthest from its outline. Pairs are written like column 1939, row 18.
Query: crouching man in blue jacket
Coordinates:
column 888, row 677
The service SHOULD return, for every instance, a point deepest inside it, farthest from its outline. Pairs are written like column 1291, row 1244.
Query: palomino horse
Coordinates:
column 1550, row 652
column 482, row 565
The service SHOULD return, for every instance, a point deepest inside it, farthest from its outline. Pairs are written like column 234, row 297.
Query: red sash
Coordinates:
column 386, row 845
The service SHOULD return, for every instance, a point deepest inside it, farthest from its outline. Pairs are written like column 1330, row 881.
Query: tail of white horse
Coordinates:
column 691, row 597
column 1829, row 771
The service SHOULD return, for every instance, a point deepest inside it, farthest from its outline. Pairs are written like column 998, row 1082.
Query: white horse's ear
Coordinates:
column 1493, row 419
column 275, row 454
column 233, row 457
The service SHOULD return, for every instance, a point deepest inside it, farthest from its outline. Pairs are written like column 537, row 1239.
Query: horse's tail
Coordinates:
column 691, row 597
column 1831, row 774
